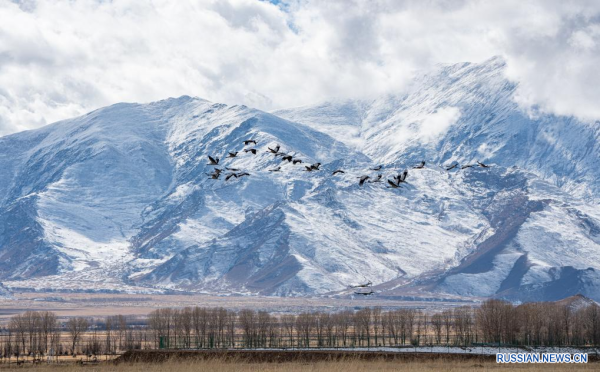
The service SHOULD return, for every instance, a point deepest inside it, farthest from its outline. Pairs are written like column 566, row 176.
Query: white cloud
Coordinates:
column 438, row 122
column 61, row 58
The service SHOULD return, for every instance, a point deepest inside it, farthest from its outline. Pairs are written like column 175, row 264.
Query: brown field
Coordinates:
column 322, row 366
column 103, row 304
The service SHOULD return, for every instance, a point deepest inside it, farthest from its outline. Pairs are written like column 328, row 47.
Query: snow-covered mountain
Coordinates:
column 119, row 199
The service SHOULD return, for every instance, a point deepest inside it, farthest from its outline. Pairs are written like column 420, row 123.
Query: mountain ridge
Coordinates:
column 119, row 199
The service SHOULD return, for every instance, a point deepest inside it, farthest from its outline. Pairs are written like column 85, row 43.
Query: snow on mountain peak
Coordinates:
column 125, row 198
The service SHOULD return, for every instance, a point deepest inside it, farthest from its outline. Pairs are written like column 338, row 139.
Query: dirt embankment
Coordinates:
column 281, row 356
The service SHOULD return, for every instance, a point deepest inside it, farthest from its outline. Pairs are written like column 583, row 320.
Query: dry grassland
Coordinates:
column 345, row 366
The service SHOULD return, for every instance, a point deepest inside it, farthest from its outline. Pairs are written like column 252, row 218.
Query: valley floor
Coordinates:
column 104, row 304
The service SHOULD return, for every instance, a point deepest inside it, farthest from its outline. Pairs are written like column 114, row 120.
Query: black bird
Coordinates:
column 420, row 166
column 217, row 170
column 297, row 161
column 452, row 166
column 337, row 171
column 365, row 293
column 232, row 154
column 315, row 166
column 393, row 185
column 275, row 170
column 275, row 150
column 232, row 169
column 213, row 161
column 363, row 179
column 287, row 157
column 229, row 175
column 401, row 177
column 367, row 284
column 242, row 174
column 466, row 166
column 376, row 168
column 253, row 151
column 483, row 165
column 378, row 179
column 308, row 168
column 247, row 142
column 214, row 175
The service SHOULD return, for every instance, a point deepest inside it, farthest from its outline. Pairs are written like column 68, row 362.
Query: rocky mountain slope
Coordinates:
column 119, row 199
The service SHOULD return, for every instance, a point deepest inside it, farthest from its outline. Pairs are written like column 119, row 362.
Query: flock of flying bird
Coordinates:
column 394, row 183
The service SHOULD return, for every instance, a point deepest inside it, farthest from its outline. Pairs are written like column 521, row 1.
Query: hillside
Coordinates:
column 120, row 199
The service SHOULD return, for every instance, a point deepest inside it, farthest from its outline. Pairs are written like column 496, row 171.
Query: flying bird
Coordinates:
column 483, row 165
column 420, row 166
column 247, row 142
column 466, row 166
column 365, row 293
column 452, row 166
column 308, row 168
column 393, row 185
column 315, row 166
column 253, row 151
column 287, row 157
column 213, row 161
column 242, row 174
column 232, row 169
column 376, row 168
column 232, row 154
column 337, row 171
column 229, row 175
column 367, row 284
column 275, row 150
column 214, row 175
column 363, row 179
column 378, row 179
column 401, row 177
column 297, row 161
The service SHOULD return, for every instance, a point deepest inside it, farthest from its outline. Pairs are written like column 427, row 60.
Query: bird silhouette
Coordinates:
column 287, row 157
column 213, row 161
column 229, row 175
column 253, row 151
column 483, row 165
column 214, row 175
column 420, row 166
column 275, row 150
column 315, row 166
column 452, row 166
column 247, row 142
column 337, row 171
column 376, row 168
column 367, row 284
column 363, row 179
column 378, row 179
column 393, row 185
column 466, row 166
column 232, row 154
column 297, row 161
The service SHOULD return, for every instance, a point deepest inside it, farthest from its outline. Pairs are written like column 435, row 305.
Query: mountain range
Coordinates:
column 120, row 199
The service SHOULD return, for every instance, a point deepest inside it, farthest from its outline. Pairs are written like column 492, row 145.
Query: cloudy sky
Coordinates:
column 62, row 58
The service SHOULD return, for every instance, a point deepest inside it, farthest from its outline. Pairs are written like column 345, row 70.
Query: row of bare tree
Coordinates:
column 494, row 322
column 38, row 334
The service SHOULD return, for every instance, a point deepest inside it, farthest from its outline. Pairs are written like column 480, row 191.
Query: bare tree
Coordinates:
column 76, row 327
